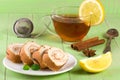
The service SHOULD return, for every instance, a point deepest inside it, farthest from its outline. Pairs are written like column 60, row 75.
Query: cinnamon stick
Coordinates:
column 87, row 44
column 81, row 42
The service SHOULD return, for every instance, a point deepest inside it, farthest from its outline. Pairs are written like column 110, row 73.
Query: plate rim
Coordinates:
column 25, row 72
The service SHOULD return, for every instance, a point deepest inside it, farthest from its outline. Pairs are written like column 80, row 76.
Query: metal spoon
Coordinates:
column 111, row 33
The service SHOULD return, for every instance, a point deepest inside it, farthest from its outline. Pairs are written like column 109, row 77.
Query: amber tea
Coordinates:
column 70, row 27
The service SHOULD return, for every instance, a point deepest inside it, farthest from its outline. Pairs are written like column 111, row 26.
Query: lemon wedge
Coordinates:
column 93, row 10
column 96, row 64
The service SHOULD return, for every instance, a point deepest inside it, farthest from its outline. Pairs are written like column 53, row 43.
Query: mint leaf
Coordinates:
column 35, row 67
column 26, row 67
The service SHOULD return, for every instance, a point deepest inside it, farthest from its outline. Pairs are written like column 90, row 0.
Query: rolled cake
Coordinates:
column 26, row 52
column 54, row 58
column 13, row 52
column 37, row 56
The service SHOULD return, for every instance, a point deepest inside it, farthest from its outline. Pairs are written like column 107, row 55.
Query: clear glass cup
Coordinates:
column 68, row 25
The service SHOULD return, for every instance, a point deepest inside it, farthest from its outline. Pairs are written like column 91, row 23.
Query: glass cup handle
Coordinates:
column 44, row 26
column 49, row 27
column 47, row 23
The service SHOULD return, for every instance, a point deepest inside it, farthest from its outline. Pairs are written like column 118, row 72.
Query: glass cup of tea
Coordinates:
column 67, row 24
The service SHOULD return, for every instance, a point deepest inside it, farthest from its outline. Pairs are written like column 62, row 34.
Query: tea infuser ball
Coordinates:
column 23, row 27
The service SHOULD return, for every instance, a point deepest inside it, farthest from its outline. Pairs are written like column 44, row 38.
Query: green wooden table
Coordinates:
column 11, row 10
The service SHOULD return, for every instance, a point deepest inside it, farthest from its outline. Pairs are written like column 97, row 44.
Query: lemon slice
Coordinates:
column 93, row 9
column 96, row 64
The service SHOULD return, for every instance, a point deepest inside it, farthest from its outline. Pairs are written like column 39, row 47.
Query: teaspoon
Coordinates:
column 111, row 33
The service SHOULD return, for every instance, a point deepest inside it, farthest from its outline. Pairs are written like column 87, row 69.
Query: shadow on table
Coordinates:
column 16, row 76
column 80, row 71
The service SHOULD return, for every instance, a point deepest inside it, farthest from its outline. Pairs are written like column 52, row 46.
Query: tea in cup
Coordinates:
column 68, row 24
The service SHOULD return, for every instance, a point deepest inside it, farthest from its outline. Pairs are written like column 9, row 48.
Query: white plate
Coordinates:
column 19, row 67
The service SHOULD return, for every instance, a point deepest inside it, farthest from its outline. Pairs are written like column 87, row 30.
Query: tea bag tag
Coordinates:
column 23, row 27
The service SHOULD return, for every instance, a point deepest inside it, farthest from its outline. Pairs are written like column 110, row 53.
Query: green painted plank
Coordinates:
column 45, row 6
column 3, row 42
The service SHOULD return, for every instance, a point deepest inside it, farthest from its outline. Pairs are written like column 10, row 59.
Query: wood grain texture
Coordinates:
column 11, row 10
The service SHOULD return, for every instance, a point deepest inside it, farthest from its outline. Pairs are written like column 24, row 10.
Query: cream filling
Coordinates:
column 43, row 48
column 58, row 56
column 30, row 47
column 15, row 48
